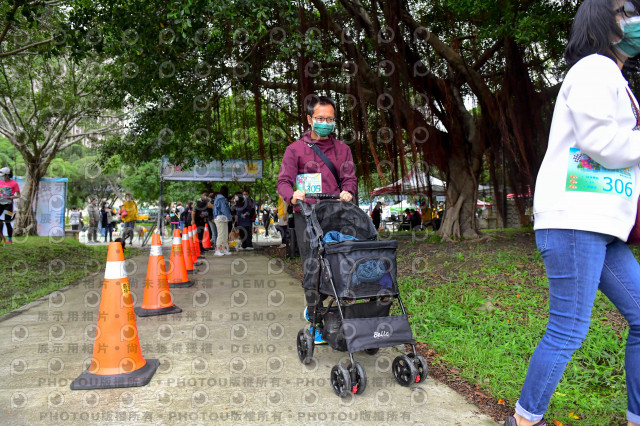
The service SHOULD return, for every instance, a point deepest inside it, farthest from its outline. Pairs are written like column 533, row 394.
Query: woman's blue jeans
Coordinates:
column 107, row 230
column 578, row 263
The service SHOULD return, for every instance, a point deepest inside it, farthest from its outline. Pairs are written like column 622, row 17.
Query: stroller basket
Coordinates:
column 370, row 333
column 361, row 269
column 333, row 332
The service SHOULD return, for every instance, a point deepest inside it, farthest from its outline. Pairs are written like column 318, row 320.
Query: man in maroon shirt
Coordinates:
column 304, row 170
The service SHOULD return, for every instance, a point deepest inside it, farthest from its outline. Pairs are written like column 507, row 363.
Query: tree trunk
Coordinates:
column 26, row 223
column 462, row 192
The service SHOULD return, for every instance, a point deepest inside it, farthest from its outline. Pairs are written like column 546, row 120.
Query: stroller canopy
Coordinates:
column 346, row 218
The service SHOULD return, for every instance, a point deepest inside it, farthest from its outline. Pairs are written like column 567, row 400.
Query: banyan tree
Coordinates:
column 451, row 87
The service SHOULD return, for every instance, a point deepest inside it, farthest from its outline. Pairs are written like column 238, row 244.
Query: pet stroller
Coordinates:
column 357, row 279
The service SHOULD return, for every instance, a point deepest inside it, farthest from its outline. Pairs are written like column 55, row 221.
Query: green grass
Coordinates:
column 483, row 308
column 416, row 236
column 35, row 266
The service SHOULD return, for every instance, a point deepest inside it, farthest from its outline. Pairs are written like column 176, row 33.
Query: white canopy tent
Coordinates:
column 415, row 182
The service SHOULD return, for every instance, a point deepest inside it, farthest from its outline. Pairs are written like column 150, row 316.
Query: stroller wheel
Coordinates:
column 404, row 370
column 421, row 365
column 372, row 351
column 340, row 380
column 304, row 344
column 358, row 378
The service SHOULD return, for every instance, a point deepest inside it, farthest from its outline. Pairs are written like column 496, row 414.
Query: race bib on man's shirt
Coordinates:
column 586, row 175
column 5, row 192
column 311, row 183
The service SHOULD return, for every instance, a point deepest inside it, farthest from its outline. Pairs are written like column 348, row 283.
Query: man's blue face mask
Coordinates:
column 323, row 129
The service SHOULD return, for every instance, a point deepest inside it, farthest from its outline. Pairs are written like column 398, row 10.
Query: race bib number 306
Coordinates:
column 586, row 175
column 311, row 183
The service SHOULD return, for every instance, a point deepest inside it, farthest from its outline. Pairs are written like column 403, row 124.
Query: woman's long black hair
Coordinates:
column 594, row 26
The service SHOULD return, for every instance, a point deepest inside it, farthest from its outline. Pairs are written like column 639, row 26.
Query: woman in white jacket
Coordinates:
column 591, row 161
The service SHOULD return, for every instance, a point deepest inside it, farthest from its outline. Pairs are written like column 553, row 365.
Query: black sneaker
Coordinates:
column 511, row 421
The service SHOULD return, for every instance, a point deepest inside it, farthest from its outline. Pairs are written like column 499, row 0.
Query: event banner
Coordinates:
column 223, row 171
column 49, row 205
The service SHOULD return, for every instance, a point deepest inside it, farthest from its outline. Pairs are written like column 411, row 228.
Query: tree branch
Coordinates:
column 8, row 25
column 349, row 47
column 452, row 57
column 6, row 108
column 8, row 133
column 101, row 131
column 358, row 12
column 6, row 79
column 479, row 63
column 29, row 46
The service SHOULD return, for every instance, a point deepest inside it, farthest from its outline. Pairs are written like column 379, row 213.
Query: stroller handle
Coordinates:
column 306, row 208
column 322, row 196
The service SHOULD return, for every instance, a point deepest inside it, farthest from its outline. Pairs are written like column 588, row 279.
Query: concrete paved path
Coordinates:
column 229, row 357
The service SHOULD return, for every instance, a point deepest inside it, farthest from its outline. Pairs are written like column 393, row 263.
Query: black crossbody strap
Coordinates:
column 327, row 162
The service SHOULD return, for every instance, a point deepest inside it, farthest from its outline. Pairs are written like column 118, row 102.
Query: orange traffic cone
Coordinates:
column 177, row 270
column 157, row 297
column 196, row 241
column 186, row 250
column 206, row 243
column 194, row 253
column 117, row 360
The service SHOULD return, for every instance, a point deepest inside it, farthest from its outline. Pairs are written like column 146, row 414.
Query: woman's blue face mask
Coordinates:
column 630, row 43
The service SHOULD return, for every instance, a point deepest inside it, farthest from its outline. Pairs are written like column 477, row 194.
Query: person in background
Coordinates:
column 416, row 219
column 406, row 221
column 94, row 218
column 199, row 216
column 187, row 215
column 429, row 217
column 376, row 215
column 440, row 215
column 291, row 232
column 75, row 215
column 594, row 138
column 9, row 191
column 266, row 220
column 179, row 212
column 114, row 218
column 283, row 219
column 232, row 208
column 222, row 217
column 167, row 221
column 106, row 219
column 251, row 205
column 129, row 218
column 213, row 230
column 245, row 225
column 174, row 219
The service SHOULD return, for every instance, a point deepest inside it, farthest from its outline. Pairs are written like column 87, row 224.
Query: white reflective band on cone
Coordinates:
column 184, row 237
column 176, row 240
column 115, row 270
column 156, row 251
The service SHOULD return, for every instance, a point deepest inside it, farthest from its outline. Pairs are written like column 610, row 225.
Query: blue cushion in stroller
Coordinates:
column 361, row 269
